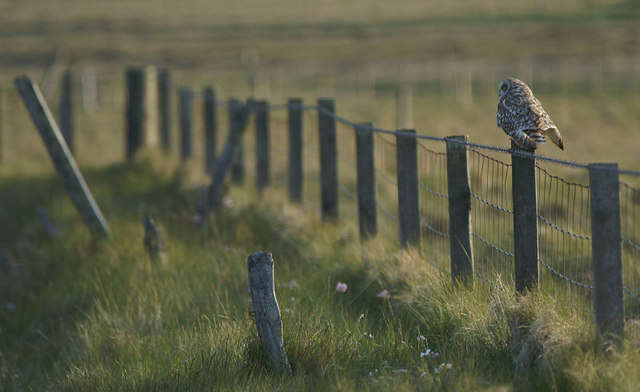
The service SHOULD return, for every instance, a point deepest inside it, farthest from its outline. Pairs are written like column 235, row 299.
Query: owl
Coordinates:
column 522, row 117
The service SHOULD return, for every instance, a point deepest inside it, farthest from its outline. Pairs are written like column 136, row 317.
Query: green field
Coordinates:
column 81, row 314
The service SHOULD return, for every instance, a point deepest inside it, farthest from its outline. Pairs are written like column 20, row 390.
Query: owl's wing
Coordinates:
column 542, row 119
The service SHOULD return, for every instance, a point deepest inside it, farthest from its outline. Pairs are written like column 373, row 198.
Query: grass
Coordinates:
column 79, row 314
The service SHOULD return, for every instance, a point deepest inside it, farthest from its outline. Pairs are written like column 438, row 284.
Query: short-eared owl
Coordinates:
column 522, row 117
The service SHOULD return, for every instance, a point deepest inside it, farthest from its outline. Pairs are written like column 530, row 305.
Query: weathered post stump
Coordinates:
column 267, row 312
column 153, row 242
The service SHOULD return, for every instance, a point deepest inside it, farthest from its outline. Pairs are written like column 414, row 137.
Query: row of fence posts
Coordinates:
column 604, row 194
column 605, row 204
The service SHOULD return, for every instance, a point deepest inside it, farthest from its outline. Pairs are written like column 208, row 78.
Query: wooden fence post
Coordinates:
column 135, row 111
column 328, row 159
column 606, row 251
column 262, row 144
column 267, row 313
column 525, row 219
column 367, row 211
column 61, row 156
column 153, row 241
column 141, row 109
column 66, row 109
column 186, row 112
column 295, row 149
column 164, row 107
column 459, row 209
column 210, row 128
column 237, row 160
column 408, row 205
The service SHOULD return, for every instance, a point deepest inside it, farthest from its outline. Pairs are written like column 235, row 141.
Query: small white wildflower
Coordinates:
column 293, row 284
column 442, row 367
column 341, row 287
column 384, row 294
column 403, row 342
column 288, row 311
column 361, row 317
column 366, row 335
column 228, row 202
column 292, row 299
column 420, row 337
column 398, row 371
column 370, row 374
column 429, row 353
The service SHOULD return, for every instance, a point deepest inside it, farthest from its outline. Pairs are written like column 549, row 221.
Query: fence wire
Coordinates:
column 434, row 202
column 492, row 215
column 347, row 172
column 564, row 235
column 386, row 184
column 630, row 233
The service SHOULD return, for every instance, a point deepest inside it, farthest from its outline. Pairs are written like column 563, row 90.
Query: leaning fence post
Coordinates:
column 262, row 144
column 267, row 313
column 237, row 160
column 328, row 159
column 61, row 156
column 66, row 109
column 459, row 209
column 367, row 211
column 164, row 107
column 186, row 142
column 210, row 128
column 1, row 119
column 606, row 251
column 407, row 172
column 239, row 118
column 525, row 218
column 295, row 149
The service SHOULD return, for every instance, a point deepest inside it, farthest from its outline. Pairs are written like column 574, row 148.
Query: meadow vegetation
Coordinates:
column 81, row 314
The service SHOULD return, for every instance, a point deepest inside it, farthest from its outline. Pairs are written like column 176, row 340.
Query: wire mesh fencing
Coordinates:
column 492, row 211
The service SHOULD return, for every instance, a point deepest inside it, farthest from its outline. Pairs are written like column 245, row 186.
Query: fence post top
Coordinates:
column 603, row 165
column 405, row 132
column 327, row 102
column 458, row 137
column 295, row 100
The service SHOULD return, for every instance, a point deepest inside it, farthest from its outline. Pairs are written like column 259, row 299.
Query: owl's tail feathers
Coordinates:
column 555, row 136
column 528, row 140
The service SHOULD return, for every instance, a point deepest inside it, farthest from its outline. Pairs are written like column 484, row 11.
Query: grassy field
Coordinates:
column 79, row 314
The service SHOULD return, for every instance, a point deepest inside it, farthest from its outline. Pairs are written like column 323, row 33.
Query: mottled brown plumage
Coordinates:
column 522, row 117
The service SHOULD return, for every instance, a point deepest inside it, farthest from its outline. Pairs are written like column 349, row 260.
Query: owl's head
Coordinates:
column 512, row 84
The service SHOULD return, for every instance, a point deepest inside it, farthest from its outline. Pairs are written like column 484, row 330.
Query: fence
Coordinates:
column 477, row 212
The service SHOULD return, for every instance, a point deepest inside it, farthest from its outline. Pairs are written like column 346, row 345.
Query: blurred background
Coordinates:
column 582, row 59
